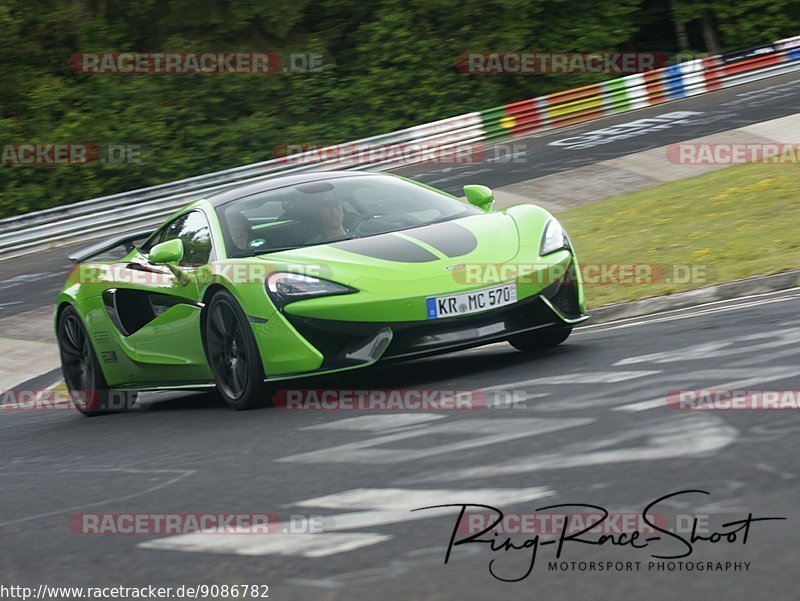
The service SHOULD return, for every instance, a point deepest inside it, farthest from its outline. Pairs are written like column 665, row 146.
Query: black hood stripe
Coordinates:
column 387, row 247
column 449, row 238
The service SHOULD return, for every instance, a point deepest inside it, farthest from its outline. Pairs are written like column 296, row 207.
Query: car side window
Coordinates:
column 192, row 229
column 156, row 238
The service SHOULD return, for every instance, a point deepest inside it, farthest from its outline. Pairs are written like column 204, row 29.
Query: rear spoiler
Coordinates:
column 128, row 241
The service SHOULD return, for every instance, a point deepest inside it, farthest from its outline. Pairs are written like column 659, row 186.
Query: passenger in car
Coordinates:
column 240, row 230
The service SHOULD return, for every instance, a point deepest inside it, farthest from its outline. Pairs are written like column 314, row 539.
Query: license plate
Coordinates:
column 471, row 302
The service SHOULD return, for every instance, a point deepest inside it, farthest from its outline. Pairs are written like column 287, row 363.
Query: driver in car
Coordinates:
column 322, row 216
column 327, row 217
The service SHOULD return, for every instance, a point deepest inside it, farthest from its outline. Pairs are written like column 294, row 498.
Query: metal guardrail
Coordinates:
column 119, row 213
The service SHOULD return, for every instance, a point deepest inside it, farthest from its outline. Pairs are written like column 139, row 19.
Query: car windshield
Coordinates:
column 330, row 210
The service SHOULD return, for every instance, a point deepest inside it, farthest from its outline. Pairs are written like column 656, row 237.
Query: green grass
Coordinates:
column 733, row 223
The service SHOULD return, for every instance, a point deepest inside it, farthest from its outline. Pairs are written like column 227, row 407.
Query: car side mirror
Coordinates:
column 480, row 196
column 170, row 251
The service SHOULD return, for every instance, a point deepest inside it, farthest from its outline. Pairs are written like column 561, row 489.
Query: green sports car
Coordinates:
column 309, row 274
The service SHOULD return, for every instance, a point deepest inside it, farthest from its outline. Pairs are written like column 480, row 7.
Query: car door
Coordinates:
column 156, row 308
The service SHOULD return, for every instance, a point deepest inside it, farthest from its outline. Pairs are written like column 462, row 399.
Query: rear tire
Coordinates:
column 81, row 370
column 538, row 340
column 233, row 354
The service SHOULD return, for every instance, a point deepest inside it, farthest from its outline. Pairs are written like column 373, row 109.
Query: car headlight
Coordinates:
column 554, row 238
column 284, row 288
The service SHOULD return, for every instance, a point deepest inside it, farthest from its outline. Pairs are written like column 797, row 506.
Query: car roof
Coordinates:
column 226, row 196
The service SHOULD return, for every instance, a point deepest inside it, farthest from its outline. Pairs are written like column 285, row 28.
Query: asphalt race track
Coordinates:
column 593, row 427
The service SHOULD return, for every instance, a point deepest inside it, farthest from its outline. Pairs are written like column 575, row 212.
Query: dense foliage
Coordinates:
column 392, row 67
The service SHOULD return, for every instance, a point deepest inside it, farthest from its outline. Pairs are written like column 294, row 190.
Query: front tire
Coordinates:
column 538, row 340
column 233, row 354
column 82, row 374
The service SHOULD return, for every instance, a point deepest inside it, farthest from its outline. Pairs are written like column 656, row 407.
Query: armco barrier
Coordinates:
column 138, row 209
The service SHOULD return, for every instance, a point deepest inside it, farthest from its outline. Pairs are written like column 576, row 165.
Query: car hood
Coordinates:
column 408, row 255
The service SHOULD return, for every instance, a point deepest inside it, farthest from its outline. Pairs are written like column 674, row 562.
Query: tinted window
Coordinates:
column 329, row 210
column 192, row 229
